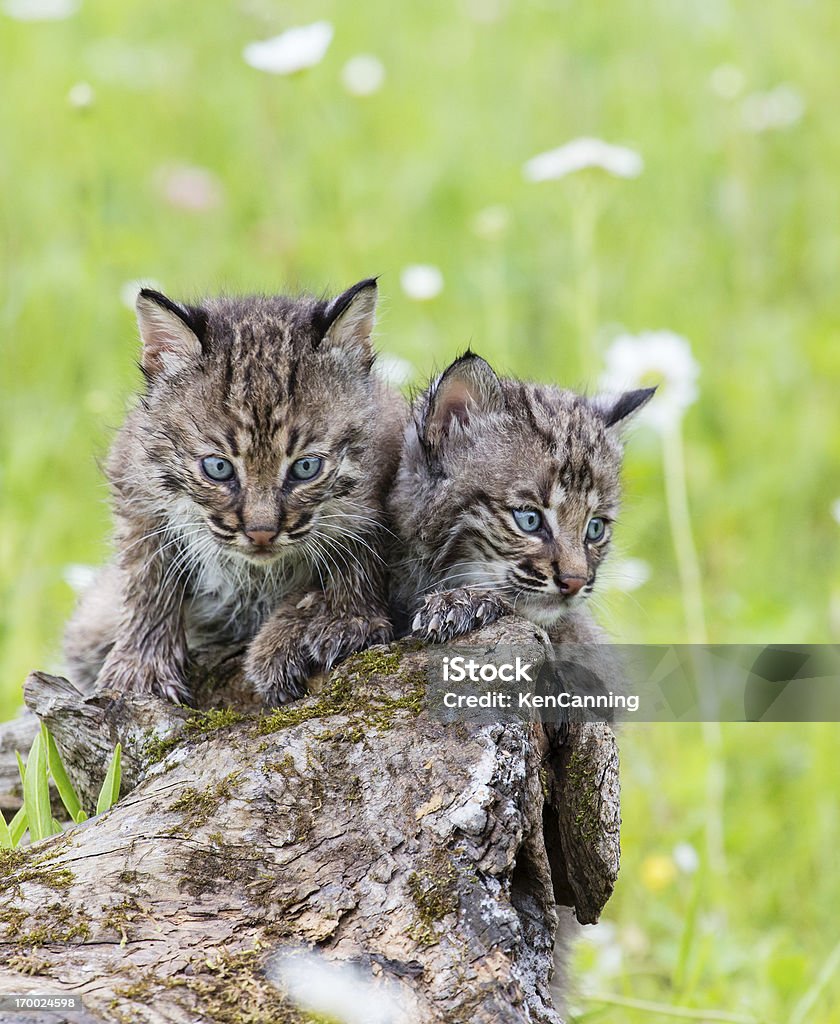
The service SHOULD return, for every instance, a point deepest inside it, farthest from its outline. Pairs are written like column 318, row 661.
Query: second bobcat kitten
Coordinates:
column 505, row 500
column 247, row 489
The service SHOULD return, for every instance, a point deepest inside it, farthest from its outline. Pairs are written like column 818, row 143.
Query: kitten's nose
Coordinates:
column 261, row 536
column 569, row 585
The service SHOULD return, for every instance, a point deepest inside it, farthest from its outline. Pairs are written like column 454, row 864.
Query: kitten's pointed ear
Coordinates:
column 349, row 320
column 169, row 332
column 616, row 411
column 468, row 387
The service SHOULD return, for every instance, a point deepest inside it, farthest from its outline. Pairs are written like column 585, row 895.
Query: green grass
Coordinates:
column 728, row 237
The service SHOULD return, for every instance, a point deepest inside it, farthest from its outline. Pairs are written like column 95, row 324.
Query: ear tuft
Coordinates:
column 468, row 388
column 616, row 411
column 171, row 334
column 348, row 320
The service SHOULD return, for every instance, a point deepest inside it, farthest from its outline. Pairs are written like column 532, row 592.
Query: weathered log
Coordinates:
column 352, row 821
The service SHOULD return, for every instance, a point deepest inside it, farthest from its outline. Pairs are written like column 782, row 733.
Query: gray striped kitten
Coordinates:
column 504, row 500
column 248, row 487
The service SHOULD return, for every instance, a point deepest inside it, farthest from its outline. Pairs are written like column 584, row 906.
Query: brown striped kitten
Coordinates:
column 247, row 488
column 505, row 500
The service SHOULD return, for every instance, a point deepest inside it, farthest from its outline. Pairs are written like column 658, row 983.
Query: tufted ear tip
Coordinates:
column 618, row 410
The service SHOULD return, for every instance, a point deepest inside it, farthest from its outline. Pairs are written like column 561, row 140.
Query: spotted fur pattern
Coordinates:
column 291, row 567
column 477, row 449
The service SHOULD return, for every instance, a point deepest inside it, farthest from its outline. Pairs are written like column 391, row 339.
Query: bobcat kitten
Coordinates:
column 504, row 500
column 248, row 490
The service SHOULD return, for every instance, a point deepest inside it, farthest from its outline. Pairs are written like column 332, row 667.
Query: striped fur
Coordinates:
column 476, row 449
column 261, row 382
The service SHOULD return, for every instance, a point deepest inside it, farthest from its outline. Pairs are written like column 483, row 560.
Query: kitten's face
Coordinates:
column 258, row 413
column 525, row 488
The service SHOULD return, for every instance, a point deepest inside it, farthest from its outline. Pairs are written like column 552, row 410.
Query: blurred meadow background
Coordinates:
column 139, row 144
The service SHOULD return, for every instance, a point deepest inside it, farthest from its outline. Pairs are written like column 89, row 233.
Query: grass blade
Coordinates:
column 5, row 835
column 63, row 784
column 36, row 791
column 110, row 792
column 17, row 826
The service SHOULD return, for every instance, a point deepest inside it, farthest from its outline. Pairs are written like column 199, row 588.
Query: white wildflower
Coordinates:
column 686, row 858
column 491, row 222
column 627, row 574
column 129, row 290
column 580, row 154
column 421, row 281
column 835, row 510
column 81, row 95
column 189, row 188
column 394, row 369
column 659, row 358
column 727, row 81
column 777, row 109
column 79, row 577
column 40, row 10
column 293, row 50
column 363, row 75
column 333, row 989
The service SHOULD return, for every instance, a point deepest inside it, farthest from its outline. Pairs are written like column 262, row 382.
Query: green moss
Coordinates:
column 432, row 891
column 230, row 988
column 199, row 725
column 367, row 707
column 204, row 722
column 118, row 916
column 198, row 805
column 32, row 864
column 57, row 923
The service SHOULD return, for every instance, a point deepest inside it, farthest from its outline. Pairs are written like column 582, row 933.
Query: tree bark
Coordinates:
column 354, row 822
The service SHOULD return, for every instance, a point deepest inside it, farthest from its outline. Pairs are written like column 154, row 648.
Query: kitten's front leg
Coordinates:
column 307, row 638
column 149, row 653
column 450, row 613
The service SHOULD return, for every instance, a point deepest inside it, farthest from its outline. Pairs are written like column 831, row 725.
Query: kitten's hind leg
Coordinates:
column 93, row 628
column 451, row 613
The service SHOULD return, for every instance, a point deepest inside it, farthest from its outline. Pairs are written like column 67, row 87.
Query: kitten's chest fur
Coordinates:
column 227, row 601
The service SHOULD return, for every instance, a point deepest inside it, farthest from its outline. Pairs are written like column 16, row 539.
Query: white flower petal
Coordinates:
column 835, row 510
column 81, row 95
column 79, row 577
column 581, row 154
column 491, row 222
column 40, row 10
column 627, row 574
column 363, row 75
column 727, row 81
column 777, row 109
column 686, row 858
column 654, row 357
column 336, row 990
column 421, row 281
column 291, row 51
column 394, row 369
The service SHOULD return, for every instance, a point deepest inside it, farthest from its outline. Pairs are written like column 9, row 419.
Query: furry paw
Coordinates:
column 127, row 672
column 277, row 668
column 453, row 613
column 283, row 656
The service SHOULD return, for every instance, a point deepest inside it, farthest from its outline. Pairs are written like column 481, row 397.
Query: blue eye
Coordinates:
column 218, row 469
column 596, row 529
column 307, row 468
column 527, row 519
